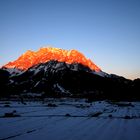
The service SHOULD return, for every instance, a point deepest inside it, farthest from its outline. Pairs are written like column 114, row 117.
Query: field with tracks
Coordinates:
column 69, row 119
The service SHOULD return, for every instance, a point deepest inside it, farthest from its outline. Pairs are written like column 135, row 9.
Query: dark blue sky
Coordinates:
column 106, row 31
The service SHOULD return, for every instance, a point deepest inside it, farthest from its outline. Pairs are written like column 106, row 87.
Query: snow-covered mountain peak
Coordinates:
column 43, row 55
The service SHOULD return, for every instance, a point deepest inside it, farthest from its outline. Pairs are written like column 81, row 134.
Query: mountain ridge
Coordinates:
column 61, row 79
column 31, row 58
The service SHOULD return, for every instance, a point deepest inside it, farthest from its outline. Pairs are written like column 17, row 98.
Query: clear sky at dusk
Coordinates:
column 106, row 31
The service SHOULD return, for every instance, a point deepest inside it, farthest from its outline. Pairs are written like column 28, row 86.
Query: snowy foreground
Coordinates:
column 69, row 119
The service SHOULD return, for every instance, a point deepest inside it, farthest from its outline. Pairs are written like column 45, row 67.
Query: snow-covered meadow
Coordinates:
column 71, row 119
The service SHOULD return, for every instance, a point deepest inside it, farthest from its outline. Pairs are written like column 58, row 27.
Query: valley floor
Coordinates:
column 69, row 119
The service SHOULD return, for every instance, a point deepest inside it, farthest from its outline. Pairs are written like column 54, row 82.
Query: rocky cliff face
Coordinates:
column 43, row 55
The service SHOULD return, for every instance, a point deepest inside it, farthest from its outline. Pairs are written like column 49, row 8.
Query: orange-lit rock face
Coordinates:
column 43, row 55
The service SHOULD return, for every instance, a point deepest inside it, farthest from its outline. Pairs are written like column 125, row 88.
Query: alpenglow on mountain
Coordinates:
column 53, row 72
column 43, row 55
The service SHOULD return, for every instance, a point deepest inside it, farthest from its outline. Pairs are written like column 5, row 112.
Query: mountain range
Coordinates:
column 53, row 72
